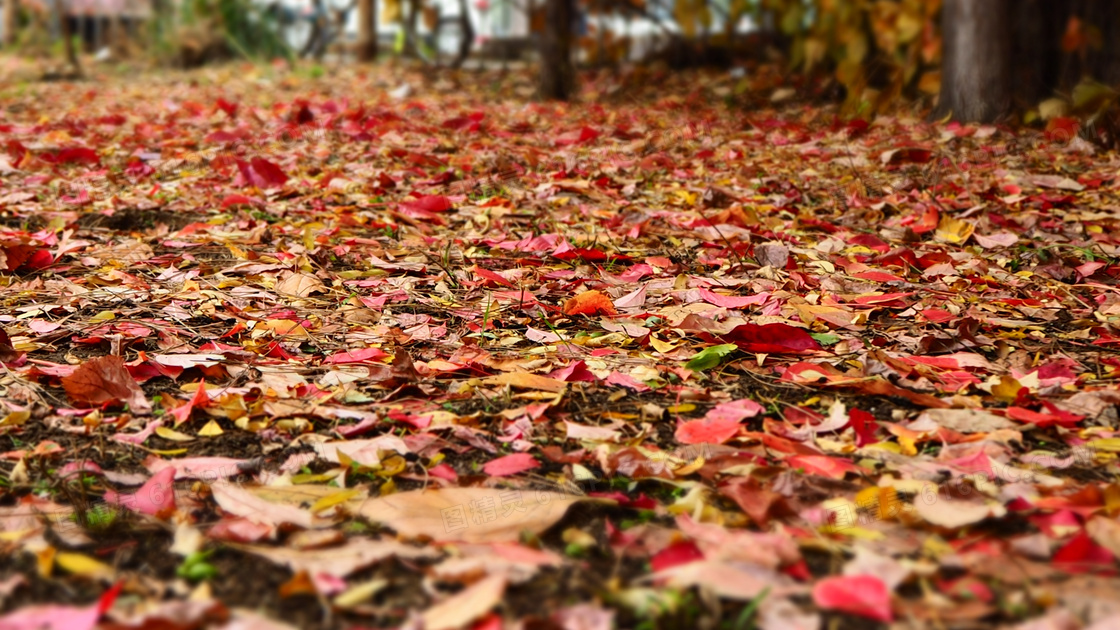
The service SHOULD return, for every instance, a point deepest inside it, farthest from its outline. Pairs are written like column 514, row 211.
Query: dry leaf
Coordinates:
column 461, row 609
column 300, row 284
column 468, row 514
column 104, row 380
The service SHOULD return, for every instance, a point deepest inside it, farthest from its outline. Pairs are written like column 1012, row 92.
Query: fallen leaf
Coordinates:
column 461, row 609
column 510, row 465
column 468, row 514
column 104, row 380
column 862, row 595
column 590, row 303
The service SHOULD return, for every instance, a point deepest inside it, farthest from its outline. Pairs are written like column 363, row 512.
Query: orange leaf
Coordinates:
column 589, row 303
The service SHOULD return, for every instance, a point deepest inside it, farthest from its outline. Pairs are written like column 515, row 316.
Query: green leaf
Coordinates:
column 825, row 339
column 709, row 358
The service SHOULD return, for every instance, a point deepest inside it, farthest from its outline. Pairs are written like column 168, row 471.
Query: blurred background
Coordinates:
column 978, row 60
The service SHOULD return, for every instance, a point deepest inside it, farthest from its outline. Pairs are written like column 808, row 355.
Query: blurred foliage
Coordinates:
column 876, row 49
column 202, row 31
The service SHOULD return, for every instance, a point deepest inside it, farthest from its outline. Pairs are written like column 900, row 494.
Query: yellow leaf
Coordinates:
column 1007, row 390
column 83, row 565
column 527, row 381
column 211, row 430
column 173, row 435
column 1108, row 445
column 952, row 230
column 15, row 419
column 661, row 346
column 333, row 500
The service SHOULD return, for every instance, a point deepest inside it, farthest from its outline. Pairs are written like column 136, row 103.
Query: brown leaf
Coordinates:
column 7, row 352
column 461, row 609
column 339, row 561
column 525, row 380
column 300, row 284
column 757, row 501
column 468, row 514
column 105, row 380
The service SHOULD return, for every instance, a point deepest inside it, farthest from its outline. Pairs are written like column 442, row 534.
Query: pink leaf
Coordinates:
column 155, row 497
column 733, row 301
column 510, row 465
column 863, row 595
column 54, row 617
column 737, row 410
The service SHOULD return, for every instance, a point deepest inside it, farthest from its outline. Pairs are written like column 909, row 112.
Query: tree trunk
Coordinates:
column 9, row 22
column 62, row 7
column 976, row 71
column 466, row 29
column 367, row 30
column 557, row 77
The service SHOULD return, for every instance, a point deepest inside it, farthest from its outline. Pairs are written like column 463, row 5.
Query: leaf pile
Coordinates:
column 308, row 350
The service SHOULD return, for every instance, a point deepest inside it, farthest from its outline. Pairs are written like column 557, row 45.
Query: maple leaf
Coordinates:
column 590, row 303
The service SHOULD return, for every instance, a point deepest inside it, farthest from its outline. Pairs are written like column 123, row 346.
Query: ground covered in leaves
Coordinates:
column 387, row 350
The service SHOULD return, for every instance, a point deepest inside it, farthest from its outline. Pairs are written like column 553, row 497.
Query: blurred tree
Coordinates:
column 367, row 30
column 976, row 61
column 9, row 21
column 61, row 8
column 557, row 76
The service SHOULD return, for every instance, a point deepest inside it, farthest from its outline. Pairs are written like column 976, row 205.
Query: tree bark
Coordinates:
column 367, row 30
column 557, row 76
column 976, row 66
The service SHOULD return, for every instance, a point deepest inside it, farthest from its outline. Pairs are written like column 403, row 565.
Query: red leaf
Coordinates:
column 864, row 426
column 428, row 203
column 576, row 371
column 676, row 554
column 494, row 277
column 1081, row 554
column 863, row 595
column 1064, row 419
column 824, row 466
column 241, row 200
column 74, row 155
column 260, row 173
column 182, row 413
column 510, row 465
column 229, row 108
column 772, row 339
column 707, row 431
